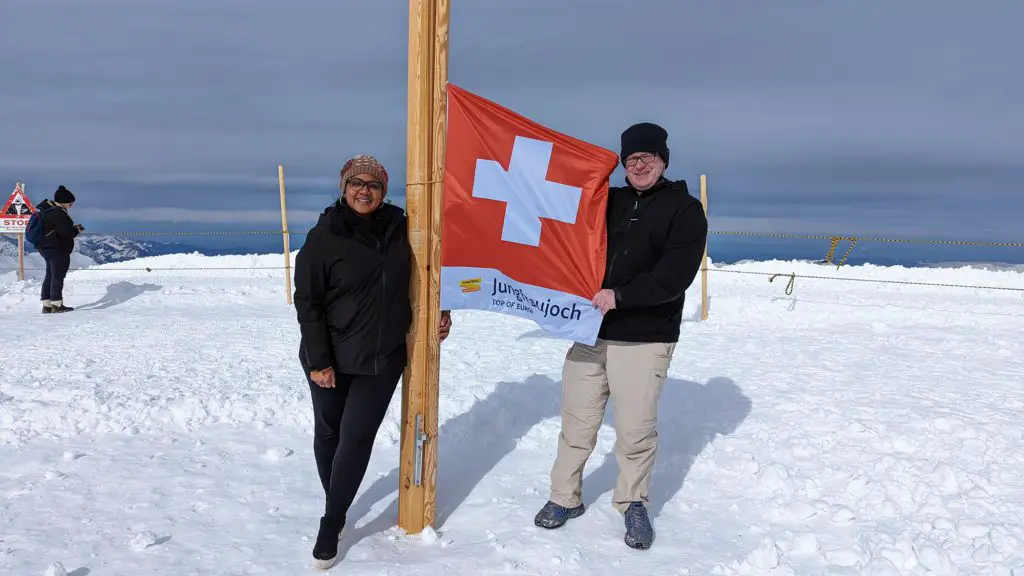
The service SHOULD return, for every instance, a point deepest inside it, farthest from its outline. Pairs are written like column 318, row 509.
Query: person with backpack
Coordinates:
column 52, row 231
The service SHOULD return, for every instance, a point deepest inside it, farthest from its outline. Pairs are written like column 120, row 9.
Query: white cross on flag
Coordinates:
column 524, row 218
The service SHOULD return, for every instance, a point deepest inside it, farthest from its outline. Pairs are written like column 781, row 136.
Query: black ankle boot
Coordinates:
column 325, row 551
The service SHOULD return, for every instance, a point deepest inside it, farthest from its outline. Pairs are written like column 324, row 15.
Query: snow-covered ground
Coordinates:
column 850, row 428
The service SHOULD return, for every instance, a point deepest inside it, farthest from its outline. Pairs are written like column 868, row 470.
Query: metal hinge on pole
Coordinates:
column 421, row 439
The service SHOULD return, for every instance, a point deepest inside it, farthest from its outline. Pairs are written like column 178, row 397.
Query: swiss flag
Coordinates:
column 524, row 201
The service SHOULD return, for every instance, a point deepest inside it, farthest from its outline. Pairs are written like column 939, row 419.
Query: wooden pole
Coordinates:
column 21, row 257
column 704, row 262
column 287, row 240
column 428, row 75
column 439, row 119
column 21, row 243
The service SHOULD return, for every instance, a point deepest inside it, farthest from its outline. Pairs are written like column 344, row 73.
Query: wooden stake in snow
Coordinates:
column 704, row 262
column 287, row 242
column 21, row 257
column 428, row 77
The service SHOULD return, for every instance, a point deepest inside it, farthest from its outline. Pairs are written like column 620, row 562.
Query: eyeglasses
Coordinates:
column 358, row 184
column 646, row 158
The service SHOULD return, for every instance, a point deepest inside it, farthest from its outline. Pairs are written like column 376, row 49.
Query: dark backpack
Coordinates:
column 35, row 230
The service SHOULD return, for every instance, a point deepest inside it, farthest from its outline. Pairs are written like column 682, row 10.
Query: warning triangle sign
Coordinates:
column 18, row 204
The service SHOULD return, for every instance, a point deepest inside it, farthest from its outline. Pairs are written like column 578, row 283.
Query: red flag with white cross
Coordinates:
column 524, row 218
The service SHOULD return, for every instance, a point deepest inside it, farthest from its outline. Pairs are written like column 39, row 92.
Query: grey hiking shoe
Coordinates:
column 639, row 532
column 554, row 516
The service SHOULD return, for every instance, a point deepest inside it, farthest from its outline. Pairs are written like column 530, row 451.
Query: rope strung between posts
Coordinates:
column 228, row 232
column 790, row 285
column 213, row 233
column 792, row 281
column 853, row 240
column 830, row 237
column 153, row 269
column 428, row 182
column 868, row 239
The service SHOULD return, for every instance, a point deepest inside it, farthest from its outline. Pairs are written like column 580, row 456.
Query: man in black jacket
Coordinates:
column 59, row 233
column 656, row 238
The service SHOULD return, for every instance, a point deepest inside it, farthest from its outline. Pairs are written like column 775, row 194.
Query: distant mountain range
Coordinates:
column 104, row 249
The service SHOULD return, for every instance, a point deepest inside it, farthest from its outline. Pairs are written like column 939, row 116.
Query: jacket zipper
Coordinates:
column 383, row 295
column 382, row 246
column 625, row 235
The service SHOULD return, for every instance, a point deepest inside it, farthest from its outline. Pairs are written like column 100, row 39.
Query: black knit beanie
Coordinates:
column 644, row 137
column 63, row 196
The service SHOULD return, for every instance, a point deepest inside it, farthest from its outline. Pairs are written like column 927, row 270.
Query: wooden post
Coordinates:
column 21, row 257
column 432, row 384
column 287, row 240
column 21, row 242
column 428, row 76
column 704, row 262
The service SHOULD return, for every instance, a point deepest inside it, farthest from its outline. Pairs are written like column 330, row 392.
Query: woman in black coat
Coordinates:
column 352, row 280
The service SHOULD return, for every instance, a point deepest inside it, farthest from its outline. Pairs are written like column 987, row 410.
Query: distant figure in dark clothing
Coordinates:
column 352, row 280
column 56, row 246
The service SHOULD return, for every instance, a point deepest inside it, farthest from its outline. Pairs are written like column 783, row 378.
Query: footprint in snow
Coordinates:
column 146, row 539
column 54, row 474
column 278, row 453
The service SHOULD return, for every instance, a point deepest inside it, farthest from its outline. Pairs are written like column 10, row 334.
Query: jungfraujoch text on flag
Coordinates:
column 562, row 314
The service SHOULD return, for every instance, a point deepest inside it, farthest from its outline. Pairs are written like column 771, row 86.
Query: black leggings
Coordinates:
column 346, row 420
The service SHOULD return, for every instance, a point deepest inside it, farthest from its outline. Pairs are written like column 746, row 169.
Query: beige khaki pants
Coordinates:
column 632, row 375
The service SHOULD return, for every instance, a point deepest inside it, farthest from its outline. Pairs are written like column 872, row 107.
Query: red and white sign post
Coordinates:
column 13, row 220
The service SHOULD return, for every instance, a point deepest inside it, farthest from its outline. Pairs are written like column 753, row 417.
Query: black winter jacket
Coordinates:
column 58, row 229
column 656, row 243
column 352, row 280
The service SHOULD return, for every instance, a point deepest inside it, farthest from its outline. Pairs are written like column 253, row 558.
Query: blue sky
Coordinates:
column 870, row 117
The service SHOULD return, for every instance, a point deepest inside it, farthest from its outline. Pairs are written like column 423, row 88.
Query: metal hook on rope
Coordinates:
column 789, row 285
